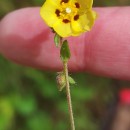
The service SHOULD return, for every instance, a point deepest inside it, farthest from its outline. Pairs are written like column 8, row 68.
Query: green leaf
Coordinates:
column 71, row 80
column 65, row 51
column 57, row 40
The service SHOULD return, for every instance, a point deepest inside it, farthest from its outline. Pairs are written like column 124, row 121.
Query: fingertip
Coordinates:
column 24, row 22
column 25, row 38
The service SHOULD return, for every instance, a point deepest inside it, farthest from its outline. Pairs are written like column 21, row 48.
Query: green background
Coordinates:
column 30, row 100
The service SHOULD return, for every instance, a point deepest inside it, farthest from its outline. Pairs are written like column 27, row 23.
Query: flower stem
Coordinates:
column 65, row 63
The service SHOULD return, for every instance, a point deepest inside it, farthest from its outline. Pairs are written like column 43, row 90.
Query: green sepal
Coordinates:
column 65, row 51
column 71, row 80
column 57, row 40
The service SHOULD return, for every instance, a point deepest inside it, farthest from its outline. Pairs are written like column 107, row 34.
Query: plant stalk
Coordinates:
column 68, row 95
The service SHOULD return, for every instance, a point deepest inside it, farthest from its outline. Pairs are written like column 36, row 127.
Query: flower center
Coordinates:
column 68, row 11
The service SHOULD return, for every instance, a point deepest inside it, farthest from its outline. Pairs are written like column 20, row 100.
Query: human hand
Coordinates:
column 105, row 50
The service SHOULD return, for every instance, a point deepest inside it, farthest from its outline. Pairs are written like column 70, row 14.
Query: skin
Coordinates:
column 105, row 50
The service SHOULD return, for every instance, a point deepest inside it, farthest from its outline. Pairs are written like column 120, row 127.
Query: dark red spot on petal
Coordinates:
column 65, row 1
column 57, row 12
column 66, row 21
column 77, row 5
column 76, row 17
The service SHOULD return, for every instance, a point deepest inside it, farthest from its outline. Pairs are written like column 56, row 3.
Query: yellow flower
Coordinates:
column 68, row 17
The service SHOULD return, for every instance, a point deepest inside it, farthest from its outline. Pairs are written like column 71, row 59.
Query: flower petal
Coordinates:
column 80, row 25
column 56, row 2
column 85, row 4
column 91, row 15
column 84, row 23
column 63, row 29
column 47, row 12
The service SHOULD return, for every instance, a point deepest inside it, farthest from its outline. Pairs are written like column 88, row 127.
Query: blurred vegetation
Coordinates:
column 30, row 100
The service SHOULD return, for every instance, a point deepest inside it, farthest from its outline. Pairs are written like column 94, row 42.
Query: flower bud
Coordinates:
column 60, row 80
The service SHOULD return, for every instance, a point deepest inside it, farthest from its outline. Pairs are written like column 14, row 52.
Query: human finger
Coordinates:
column 105, row 50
